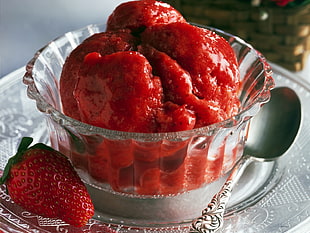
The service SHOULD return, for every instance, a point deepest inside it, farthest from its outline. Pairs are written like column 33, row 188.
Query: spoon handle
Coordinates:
column 212, row 217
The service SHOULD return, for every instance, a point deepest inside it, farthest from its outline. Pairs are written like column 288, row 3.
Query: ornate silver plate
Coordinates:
column 285, row 208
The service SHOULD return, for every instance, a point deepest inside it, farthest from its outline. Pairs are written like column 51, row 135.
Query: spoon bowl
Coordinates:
column 271, row 133
column 274, row 128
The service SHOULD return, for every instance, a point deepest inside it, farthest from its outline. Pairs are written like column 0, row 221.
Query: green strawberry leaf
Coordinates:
column 23, row 146
column 18, row 157
column 42, row 147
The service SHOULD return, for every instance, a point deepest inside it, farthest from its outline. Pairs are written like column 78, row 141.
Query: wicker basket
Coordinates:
column 281, row 34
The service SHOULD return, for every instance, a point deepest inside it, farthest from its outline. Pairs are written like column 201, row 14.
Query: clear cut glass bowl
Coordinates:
column 140, row 166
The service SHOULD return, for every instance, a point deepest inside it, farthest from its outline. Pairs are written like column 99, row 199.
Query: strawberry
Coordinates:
column 43, row 181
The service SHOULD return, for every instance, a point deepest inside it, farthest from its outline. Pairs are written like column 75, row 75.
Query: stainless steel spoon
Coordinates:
column 271, row 133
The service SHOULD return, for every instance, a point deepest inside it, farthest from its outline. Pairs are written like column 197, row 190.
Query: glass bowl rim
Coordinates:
column 87, row 129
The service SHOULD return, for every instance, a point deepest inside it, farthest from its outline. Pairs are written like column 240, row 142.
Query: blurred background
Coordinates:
column 27, row 25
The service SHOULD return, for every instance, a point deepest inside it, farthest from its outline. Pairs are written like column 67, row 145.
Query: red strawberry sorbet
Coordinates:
column 150, row 72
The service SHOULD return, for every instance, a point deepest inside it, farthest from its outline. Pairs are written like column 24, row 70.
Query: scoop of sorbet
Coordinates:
column 197, row 68
column 138, row 15
column 151, row 72
column 118, row 91
column 103, row 43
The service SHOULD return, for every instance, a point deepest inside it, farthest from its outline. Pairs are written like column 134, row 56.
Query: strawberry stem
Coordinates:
column 23, row 146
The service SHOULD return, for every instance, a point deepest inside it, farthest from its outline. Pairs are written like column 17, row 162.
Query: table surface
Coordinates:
column 26, row 26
